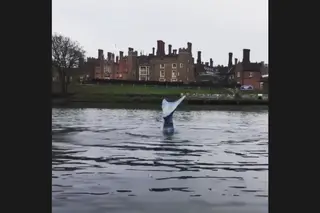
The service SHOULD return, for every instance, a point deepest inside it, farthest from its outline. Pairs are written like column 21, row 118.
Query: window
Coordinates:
column 238, row 74
column 173, row 79
column 162, row 66
column 174, row 65
column 162, row 79
column 144, row 70
column 181, row 65
column 162, row 73
column 174, row 74
column 250, row 74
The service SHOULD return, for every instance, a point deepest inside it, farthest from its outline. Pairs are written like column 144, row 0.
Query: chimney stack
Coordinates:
column 100, row 54
column 189, row 47
column 121, row 55
column 170, row 47
column 117, row 59
column 109, row 56
column 174, row 52
column 163, row 50
column 130, row 50
column 211, row 62
column 235, row 61
column 160, row 48
column 230, row 60
column 246, row 56
column 153, row 49
column 199, row 57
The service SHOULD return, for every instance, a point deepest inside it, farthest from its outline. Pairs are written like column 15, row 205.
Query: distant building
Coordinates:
column 264, row 82
column 205, row 72
column 246, row 72
column 174, row 66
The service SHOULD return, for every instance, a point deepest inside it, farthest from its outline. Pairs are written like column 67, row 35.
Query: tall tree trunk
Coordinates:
column 67, row 84
column 63, row 81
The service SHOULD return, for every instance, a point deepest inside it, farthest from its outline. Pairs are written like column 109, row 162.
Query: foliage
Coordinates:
column 66, row 54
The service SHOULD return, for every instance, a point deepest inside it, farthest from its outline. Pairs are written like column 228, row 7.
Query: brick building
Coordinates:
column 173, row 66
column 264, row 82
column 205, row 72
column 246, row 72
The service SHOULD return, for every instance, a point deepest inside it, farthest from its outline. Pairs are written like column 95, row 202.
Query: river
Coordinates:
column 117, row 160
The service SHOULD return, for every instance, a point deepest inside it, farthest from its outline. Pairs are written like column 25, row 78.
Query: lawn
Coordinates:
column 136, row 94
column 143, row 90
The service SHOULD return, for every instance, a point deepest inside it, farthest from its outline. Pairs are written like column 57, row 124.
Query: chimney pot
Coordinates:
column 211, row 62
column 109, row 56
column 117, row 59
column 100, row 54
column 246, row 56
column 207, row 63
column 174, row 52
column 235, row 61
column 170, row 47
column 199, row 57
column 153, row 49
column 121, row 55
column 160, row 47
column 230, row 60
column 189, row 47
column 163, row 50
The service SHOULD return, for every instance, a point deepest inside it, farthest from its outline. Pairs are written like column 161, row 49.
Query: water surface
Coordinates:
column 109, row 160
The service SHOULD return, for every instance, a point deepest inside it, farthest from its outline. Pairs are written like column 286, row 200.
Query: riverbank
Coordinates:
column 138, row 105
column 117, row 96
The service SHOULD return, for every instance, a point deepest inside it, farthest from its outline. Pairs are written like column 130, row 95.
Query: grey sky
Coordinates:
column 214, row 27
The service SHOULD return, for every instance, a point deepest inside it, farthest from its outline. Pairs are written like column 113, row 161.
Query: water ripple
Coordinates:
column 121, row 154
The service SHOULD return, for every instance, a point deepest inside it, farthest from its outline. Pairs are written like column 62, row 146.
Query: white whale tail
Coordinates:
column 168, row 109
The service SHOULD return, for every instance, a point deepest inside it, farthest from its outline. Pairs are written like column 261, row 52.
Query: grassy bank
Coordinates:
column 127, row 94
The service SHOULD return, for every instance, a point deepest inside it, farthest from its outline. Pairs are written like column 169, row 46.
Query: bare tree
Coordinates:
column 66, row 54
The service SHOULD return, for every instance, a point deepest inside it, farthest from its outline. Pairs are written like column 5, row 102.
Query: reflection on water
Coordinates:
column 119, row 161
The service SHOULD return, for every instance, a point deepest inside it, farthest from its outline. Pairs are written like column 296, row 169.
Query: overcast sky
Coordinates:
column 214, row 27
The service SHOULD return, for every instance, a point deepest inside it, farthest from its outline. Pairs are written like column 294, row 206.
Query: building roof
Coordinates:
column 252, row 67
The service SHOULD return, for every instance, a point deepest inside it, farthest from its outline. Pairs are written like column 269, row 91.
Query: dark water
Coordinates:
column 119, row 161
